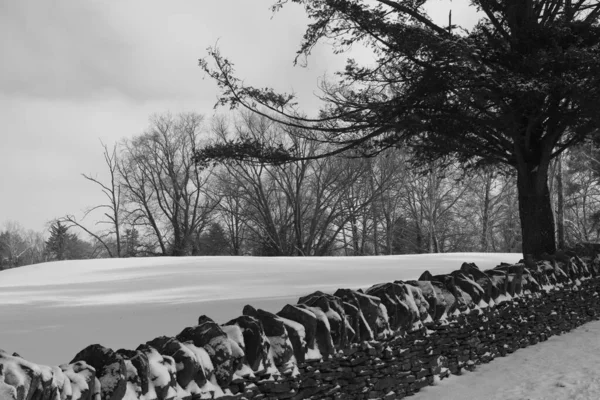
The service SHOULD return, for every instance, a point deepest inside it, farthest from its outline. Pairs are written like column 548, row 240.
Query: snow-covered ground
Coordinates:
column 563, row 368
column 49, row 312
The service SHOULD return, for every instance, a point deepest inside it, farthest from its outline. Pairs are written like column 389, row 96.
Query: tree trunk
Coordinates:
column 560, row 205
column 419, row 239
column 485, row 222
column 535, row 210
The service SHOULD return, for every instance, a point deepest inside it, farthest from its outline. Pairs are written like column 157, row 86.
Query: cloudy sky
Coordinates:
column 77, row 72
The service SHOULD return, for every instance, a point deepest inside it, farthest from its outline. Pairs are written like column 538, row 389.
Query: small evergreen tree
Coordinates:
column 131, row 242
column 214, row 242
column 56, row 245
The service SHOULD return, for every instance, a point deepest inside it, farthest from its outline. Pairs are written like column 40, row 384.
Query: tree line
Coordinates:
column 19, row 247
column 159, row 202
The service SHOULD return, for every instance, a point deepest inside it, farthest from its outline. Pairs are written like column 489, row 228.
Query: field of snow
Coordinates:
column 49, row 312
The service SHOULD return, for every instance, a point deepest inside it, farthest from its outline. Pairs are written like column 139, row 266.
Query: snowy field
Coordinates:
column 49, row 312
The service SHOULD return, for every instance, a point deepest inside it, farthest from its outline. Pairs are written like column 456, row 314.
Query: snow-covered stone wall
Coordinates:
column 385, row 342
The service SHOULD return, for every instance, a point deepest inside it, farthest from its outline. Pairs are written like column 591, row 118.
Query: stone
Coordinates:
column 318, row 341
column 582, row 268
column 402, row 309
column 515, row 277
column 323, row 332
column 163, row 373
column 341, row 332
column 190, row 372
column 61, row 382
column 282, row 350
column 370, row 306
column 490, row 290
column 440, row 286
column 257, row 346
column 110, row 370
column 209, row 335
column 238, row 350
column 82, row 377
column 468, row 285
column 426, row 276
column 308, row 320
column 21, row 379
column 462, row 301
column 499, row 279
column 138, row 371
column 206, row 373
column 420, row 301
column 434, row 296
column 595, row 265
column 529, row 282
column 357, row 322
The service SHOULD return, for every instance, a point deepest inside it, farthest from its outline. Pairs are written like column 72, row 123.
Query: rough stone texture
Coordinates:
column 490, row 290
column 375, row 317
column 420, row 301
column 499, row 280
column 61, row 382
column 257, row 345
column 209, row 335
column 530, row 281
column 309, row 321
column 515, row 277
column 522, row 311
column 357, row 322
column 84, row 384
column 138, row 371
column 341, row 331
column 238, row 350
column 468, row 285
column 401, row 307
column 21, row 379
column 462, row 300
column 163, row 383
column 189, row 369
column 323, row 332
column 282, row 350
column 433, row 294
column 110, row 370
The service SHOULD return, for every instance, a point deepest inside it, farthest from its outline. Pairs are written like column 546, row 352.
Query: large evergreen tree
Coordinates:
column 517, row 89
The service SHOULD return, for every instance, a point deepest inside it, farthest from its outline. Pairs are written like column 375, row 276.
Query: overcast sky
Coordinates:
column 74, row 72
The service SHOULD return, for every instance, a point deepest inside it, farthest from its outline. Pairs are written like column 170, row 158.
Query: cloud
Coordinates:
column 81, row 50
column 147, row 51
column 60, row 49
column 74, row 71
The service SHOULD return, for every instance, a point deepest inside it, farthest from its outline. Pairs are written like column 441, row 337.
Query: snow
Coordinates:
column 50, row 311
column 161, row 369
column 564, row 367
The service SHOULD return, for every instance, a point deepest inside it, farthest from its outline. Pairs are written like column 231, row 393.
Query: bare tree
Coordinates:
column 580, row 168
column 112, row 191
column 298, row 208
column 166, row 191
column 13, row 246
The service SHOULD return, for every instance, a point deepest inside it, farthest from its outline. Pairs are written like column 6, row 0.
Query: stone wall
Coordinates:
column 386, row 342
